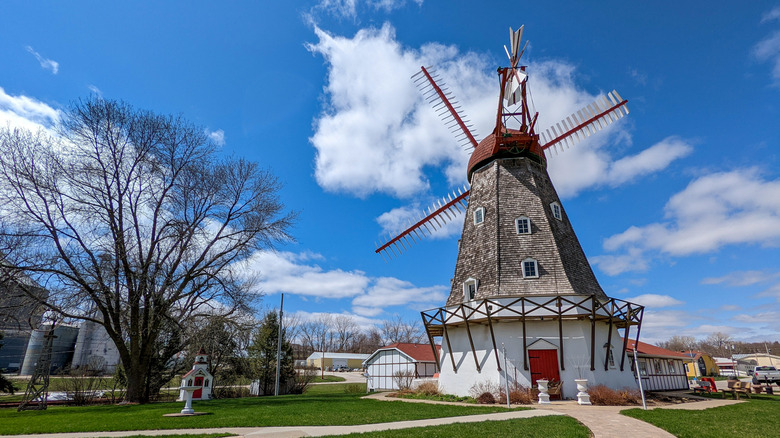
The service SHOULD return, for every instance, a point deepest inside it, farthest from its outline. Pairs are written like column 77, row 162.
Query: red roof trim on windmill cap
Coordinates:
column 483, row 153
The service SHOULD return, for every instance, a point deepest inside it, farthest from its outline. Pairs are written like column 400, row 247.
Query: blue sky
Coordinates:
column 677, row 206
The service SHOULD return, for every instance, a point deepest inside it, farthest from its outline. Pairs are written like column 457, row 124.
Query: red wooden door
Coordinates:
column 198, row 393
column 544, row 365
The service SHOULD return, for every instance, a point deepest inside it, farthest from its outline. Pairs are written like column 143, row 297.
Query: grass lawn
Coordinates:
column 537, row 427
column 324, row 405
column 757, row 417
column 328, row 378
column 205, row 435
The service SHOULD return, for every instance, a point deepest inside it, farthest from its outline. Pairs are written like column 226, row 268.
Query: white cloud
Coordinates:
column 349, row 8
column 26, row 113
column 650, row 160
column 719, row 209
column 768, row 49
column 362, row 321
column 655, row 301
column 218, row 136
column 743, row 278
column 399, row 219
column 377, row 134
column 287, row 272
column 95, row 90
column 388, row 291
column 771, row 292
column 633, row 260
column 46, row 64
column 772, row 317
column 774, row 14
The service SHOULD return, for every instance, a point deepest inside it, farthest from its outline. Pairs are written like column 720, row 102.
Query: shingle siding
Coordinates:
column 493, row 251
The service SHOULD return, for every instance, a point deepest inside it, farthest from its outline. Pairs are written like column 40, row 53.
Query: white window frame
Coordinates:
column 536, row 268
column 557, row 212
column 470, row 281
column 528, row 224
column 481, row 211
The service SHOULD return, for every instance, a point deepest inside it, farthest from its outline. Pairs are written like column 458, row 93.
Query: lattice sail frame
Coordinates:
column 617, row 313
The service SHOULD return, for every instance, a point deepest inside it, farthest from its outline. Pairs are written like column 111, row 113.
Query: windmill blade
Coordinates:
column 433, row 92
column 445, row 210
column 585, row 122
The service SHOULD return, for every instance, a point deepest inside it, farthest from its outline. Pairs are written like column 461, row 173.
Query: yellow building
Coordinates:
column 703, row 365
column 336, row 360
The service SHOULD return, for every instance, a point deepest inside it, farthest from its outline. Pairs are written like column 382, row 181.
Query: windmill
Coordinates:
column 521, row 280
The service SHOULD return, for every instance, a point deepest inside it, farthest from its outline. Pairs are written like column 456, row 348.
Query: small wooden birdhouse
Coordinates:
column 198, row 377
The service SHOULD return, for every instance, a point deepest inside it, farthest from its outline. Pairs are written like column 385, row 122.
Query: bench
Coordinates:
column 735, row 388
column 703, row 387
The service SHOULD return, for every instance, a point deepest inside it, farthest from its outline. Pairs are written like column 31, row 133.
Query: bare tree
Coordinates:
column 680, row 343
column 131, row 220
column 397, row 330
column 717, row 344
column 345, row 330
column 317, row 333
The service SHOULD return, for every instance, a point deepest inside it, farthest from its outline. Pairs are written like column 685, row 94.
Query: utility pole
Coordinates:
column 279, row 347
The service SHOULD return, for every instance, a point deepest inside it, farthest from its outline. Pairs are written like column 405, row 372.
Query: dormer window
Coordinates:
column 523, row 225
column 556, row 210
column 479, row 215
column 530, row 268
column 470, row 289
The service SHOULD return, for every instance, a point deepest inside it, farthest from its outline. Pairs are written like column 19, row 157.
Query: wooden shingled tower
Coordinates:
column 522, row 280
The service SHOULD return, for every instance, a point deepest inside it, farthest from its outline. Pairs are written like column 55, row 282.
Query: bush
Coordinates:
column 519, row 395
column 403, row 379
column 482, row 387
column 302, row 379
column 82, row 388
column 605, row 396
column 486, row 398
column 428, row 388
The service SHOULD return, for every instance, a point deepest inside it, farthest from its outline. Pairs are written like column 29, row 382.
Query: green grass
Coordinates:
column 440, row 397
column 757, row 417
column 553, row 426
column 328, row 378
column 202, row 435
column 325, row 405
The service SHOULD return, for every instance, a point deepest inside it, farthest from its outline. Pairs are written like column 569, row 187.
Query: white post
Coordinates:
column 639, row 379
column 279, row 348
column 506, row 375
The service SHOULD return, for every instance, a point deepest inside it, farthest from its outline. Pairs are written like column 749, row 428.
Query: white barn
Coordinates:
column 416, row 359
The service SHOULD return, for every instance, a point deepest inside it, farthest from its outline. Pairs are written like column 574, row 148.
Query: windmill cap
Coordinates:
column 483, row 153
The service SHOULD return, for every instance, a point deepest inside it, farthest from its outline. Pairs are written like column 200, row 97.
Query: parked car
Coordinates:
column 766, row 374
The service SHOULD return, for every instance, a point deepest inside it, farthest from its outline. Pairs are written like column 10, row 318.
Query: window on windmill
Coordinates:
column 206, row 383
column 523, row 225
column 479, row 215
column 611, row 359
column 530, row 268
column 470, row 289
column 556, row 210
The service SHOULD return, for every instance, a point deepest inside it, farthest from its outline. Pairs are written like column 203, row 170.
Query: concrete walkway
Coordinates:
column 603, row 421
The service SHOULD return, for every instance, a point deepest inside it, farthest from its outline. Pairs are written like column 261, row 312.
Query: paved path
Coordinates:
column 603, row 421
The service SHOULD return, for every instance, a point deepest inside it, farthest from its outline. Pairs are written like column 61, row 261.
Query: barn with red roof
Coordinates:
column 398, row 365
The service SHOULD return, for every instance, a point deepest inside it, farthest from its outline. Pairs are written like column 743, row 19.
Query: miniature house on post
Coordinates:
column 198, row 376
